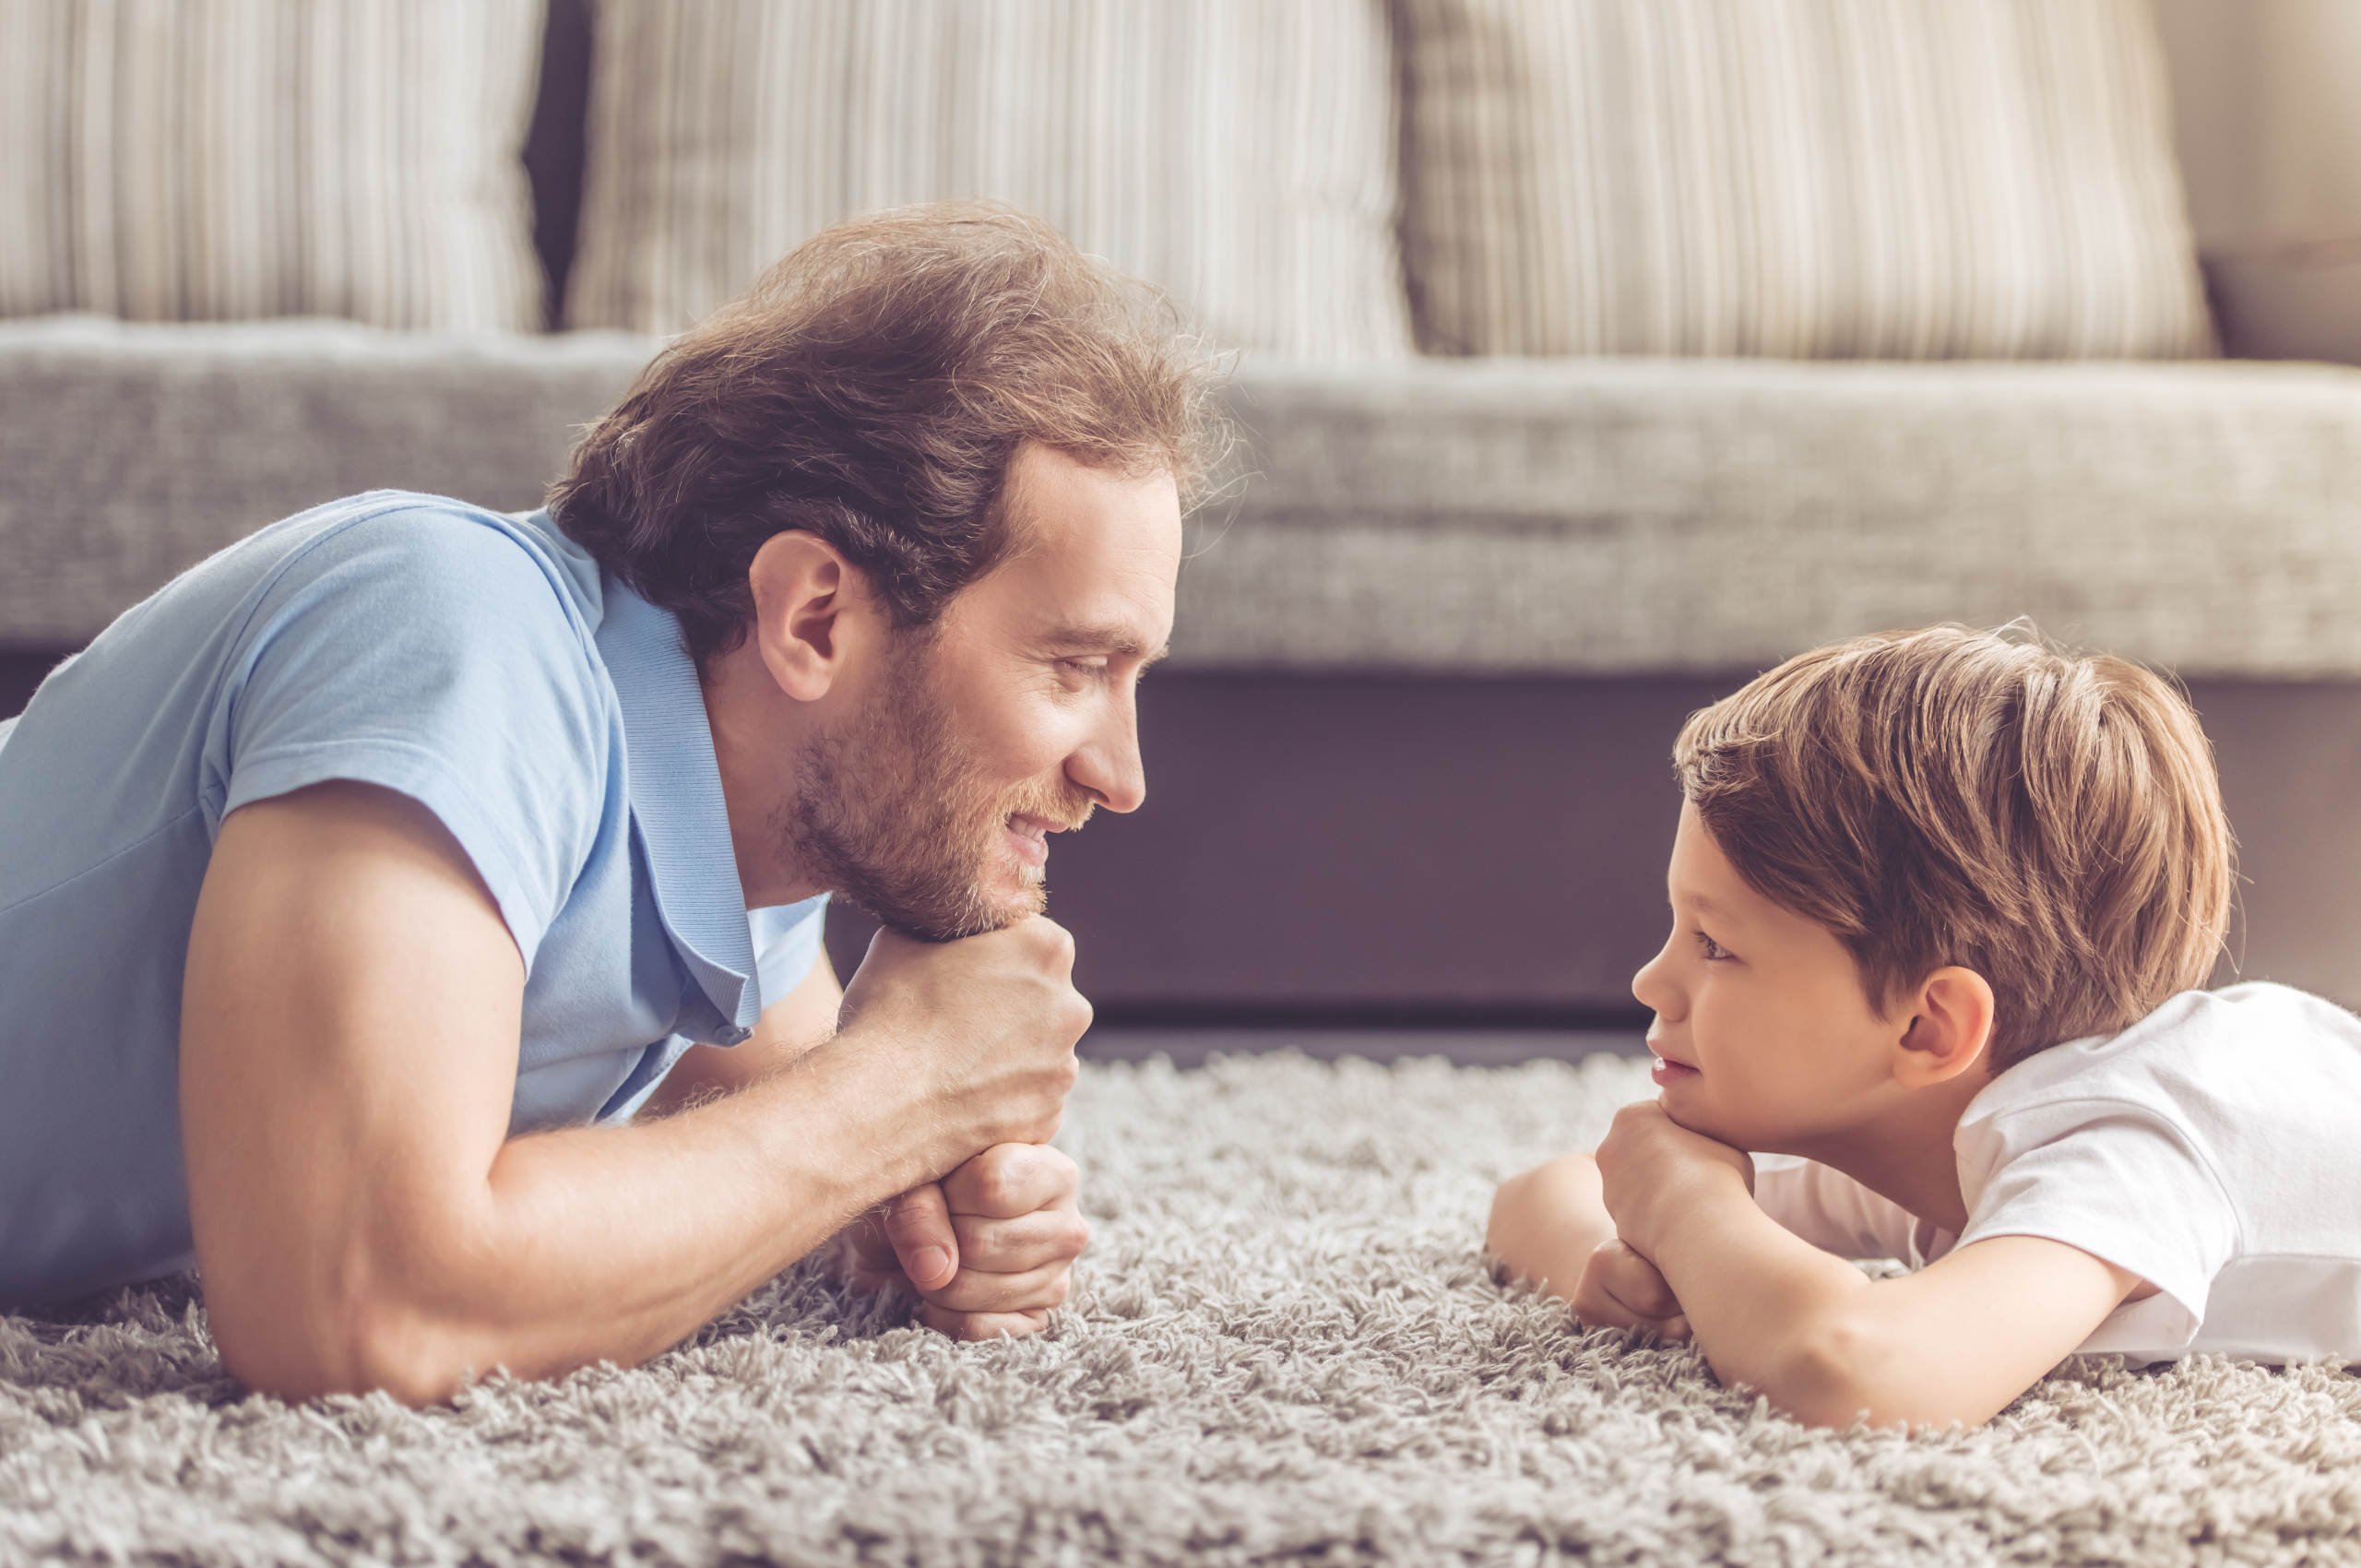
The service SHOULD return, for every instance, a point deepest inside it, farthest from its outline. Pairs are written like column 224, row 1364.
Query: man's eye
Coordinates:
column 1711, row 949
column 1089, row 669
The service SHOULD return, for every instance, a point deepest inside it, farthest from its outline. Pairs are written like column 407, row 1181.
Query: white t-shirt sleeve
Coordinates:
column 2118, row 1181
column 1830, row 1209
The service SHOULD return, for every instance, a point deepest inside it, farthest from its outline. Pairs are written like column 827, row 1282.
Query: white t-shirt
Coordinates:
column 2213, row 1148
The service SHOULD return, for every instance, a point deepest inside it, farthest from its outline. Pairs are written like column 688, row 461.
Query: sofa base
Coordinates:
column 1368, row 850
column 1418, row 850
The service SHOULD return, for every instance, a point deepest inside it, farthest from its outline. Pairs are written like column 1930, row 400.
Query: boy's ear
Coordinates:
column 1951, row 1024
column 810, row 612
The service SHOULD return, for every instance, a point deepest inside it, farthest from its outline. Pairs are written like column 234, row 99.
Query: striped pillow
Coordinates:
column 1890, row 179
column 217, row 160
column 1238, row 153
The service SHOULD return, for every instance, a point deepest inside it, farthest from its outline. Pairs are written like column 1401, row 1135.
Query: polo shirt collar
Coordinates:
column 677, row 805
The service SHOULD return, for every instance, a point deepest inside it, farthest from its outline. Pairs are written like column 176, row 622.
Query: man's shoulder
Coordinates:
column 444, row 652
column 460, row 602
column 433, row 550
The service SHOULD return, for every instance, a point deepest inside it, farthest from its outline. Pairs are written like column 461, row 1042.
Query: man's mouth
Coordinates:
column 1029, row 836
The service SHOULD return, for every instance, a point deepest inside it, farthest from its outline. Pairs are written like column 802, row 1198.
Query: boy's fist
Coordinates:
column 1619, row 1289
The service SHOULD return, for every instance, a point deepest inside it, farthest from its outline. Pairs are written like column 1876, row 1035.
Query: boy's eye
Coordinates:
column 1711, row 949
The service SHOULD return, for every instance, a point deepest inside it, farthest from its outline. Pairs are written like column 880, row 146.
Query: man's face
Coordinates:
column 1013, row 718
column 1766, row 1039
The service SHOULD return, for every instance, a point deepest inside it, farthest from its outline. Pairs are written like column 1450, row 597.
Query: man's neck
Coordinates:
column 750, row 742
column 1906, row 1153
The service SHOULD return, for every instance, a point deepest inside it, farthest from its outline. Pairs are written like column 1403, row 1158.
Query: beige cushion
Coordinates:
column 1238, row 153
column 218, row 159
column 1895, row 179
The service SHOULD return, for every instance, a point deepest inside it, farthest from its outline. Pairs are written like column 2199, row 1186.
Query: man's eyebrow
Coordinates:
column 1103, row 638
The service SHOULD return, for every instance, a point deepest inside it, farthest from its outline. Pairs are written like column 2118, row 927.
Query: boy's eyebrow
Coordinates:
column 1104, row 638
column 1699, row 904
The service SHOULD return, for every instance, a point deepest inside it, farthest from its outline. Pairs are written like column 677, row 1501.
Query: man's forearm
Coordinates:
column 614, row 1243
column 1759, row 1298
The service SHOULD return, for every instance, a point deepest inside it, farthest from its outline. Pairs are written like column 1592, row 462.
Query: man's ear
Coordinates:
column 1951, row 1025
column 810, row 612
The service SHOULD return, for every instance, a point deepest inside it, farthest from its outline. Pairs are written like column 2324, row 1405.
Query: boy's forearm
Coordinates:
column 1548, row 1221
column 1762, row 1303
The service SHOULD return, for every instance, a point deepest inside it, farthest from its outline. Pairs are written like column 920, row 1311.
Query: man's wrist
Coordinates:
column 870, row 1098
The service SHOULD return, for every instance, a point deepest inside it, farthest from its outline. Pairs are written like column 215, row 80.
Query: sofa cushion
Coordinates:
column 1801, row 178
column 222, row 160
column 1580, row 516
column 1238, row 153
column 1612, row 516
column 133, row 451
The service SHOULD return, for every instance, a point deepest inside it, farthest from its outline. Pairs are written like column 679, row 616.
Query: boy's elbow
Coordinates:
column 1818, row 1381
column 1846, row 1369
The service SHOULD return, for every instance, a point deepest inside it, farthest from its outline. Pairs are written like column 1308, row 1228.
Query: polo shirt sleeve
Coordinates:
column 786, row 944
column 434, row 654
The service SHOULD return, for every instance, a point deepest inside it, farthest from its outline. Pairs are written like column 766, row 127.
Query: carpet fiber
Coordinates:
column 1282, row 1349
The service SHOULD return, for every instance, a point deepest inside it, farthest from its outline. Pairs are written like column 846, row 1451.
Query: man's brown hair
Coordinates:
column 2049, row 820
column 873, row 389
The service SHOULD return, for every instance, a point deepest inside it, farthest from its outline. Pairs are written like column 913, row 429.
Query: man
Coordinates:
column 374, row 900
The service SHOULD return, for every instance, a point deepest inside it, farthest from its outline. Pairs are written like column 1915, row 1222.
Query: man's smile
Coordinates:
column 1030, row 837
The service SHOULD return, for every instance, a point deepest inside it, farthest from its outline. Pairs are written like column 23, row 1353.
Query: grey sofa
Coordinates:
column 1408, row 762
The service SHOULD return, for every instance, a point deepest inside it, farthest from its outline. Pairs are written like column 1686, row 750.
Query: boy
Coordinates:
column 1942, row 902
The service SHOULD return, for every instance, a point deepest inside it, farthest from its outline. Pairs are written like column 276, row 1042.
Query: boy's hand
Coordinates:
column 1650, row 1167
column 989, row 1249
column 1621, row 1290
column 1549, row 1227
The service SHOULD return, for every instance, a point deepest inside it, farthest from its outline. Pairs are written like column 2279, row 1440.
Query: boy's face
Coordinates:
column 1765, row 1038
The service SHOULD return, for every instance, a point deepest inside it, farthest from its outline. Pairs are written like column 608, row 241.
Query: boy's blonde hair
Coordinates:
column 2049, row 820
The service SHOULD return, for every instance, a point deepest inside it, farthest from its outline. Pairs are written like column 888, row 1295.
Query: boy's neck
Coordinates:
column 1906, row 1153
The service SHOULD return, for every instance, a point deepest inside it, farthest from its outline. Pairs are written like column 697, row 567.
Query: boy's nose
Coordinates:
column 1650, row 990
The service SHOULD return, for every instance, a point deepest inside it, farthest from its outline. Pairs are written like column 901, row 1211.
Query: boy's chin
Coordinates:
column 1690, row 1117
column 1683, row 1116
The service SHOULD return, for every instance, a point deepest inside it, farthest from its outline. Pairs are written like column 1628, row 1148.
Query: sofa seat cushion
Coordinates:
column 131, row 451
column 1613, row 515
column 1577, row 516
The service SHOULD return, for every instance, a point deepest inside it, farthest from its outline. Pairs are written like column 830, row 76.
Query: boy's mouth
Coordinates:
column 1670, row 1069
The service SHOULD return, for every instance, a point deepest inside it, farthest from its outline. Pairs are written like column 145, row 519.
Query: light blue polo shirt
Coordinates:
column 481, row 664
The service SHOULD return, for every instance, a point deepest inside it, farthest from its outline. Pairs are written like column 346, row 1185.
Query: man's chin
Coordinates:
column 1009, row 901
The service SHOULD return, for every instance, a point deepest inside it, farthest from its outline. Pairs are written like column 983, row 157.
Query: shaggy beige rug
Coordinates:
column 1283, row 1348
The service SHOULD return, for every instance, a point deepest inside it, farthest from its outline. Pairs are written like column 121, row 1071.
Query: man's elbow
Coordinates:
column 344, row 1344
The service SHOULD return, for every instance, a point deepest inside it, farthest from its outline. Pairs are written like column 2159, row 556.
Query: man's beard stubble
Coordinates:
column 890, row 811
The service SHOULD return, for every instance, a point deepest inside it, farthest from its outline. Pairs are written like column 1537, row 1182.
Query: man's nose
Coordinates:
column 1109, row 766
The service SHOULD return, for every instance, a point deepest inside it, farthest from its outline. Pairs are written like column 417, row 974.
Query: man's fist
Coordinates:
column 989, row 1249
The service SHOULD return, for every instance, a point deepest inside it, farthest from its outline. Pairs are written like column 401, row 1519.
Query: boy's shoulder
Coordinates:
column 2200, row 1055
